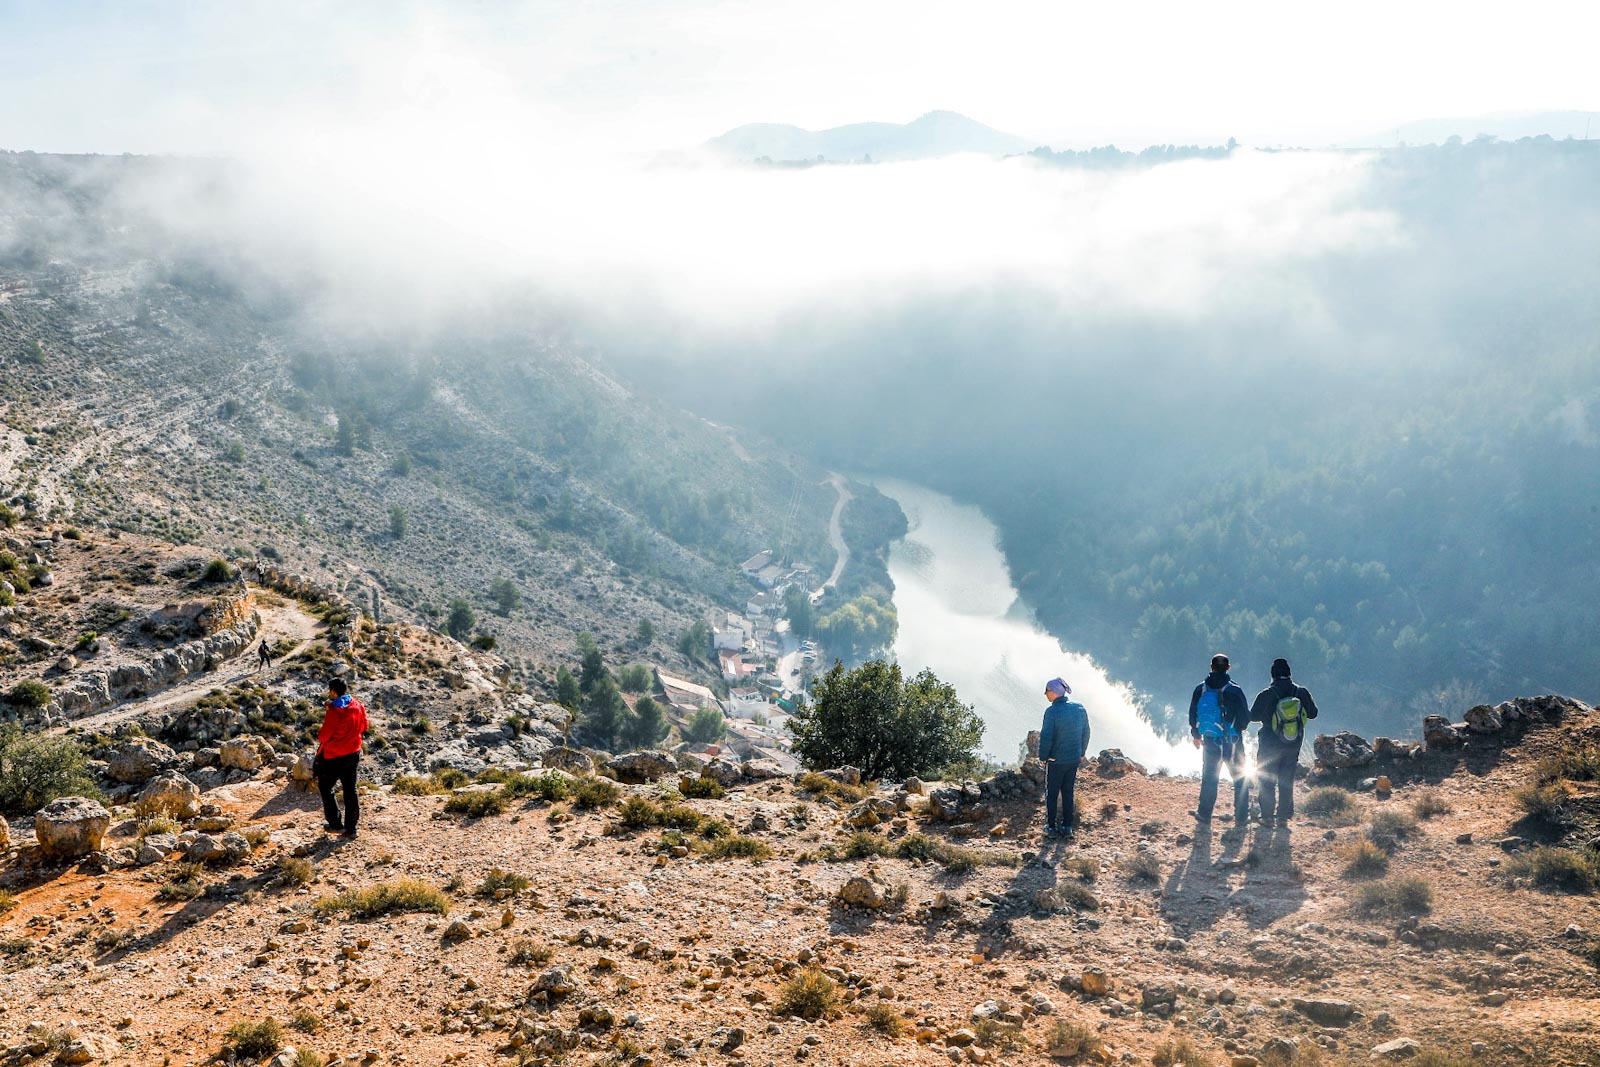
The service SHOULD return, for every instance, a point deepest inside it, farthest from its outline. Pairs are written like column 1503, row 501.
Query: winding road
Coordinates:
column 836, row 528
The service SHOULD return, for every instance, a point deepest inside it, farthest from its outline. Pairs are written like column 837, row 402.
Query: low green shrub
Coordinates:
column 476, row 803
column 1395, row 896
column 401, row 896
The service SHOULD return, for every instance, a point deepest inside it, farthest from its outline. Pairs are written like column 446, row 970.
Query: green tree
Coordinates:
column 647, row 727
column 604, row 711
column 507, row 597
column 695, row 640
column 459, row 623
column 871, row 718
column 35, row 770
column 646, row 632
column 797, row 608
column 858, row 629
column 402, row 464
column 568, row 695
column 635, row 678
column 705, row 727
column 397, row 522
column 345, row 435
column 593, row 666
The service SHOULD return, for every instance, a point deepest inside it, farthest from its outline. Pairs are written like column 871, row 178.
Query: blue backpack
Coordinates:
column 1209, row 718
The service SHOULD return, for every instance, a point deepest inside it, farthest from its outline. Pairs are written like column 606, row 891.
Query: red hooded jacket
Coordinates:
column 342, row 727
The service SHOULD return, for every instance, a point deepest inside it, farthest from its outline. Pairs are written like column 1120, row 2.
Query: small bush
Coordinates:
column 886, row 1020
column 1109, row 810
column 387, row 898
column 1396, row 896
column 497, row 880
column 294, row 871
column 186, row 883
column 638, row 813
column 1581, row 764
column 547, row 786
column 530, row 953
column 992, row 1033
column 477, row 804
column 1083, row 868
column 863, row 845
column 1556, row 869
column 7, row 901
column 1545, row 802
column 450, row 778
column 412, row 786
column 1430, row 804
column 822, row 785
column 737, row 846
column 218, row 570
column 1363, row 859
column 1180, row 1053
column 31, row 693
column 305, row 1020
column 954, row 858
column 1069, row 895
column 702, row 788
column 1072, row 1042
column 1388, row 828
column 1327, row 801
column 1141, row 867
column 256, row 1040
column 593, row 792
column 811, row 995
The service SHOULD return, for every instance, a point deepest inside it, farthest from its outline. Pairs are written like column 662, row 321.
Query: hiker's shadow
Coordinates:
column 1194, row 896
column 1273, row 884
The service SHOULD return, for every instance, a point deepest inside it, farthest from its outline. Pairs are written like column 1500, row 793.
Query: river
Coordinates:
column 961, row 616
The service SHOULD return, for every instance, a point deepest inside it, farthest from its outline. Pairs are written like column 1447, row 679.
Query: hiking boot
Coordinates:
column 350, row 833
column 332, row 828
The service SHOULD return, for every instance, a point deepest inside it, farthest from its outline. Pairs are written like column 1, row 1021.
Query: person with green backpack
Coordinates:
column 1283, row 709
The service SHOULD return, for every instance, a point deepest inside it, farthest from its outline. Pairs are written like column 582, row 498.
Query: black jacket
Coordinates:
column 1266, row 703
column 1233, row 702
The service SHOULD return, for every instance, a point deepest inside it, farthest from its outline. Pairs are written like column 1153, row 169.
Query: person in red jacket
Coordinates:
column 338, row 753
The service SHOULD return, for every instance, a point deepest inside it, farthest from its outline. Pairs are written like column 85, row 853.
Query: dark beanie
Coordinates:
column 1280, row 668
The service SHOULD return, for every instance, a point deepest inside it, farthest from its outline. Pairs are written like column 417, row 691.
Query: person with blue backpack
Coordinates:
column 1218, row 716
column 1063, row 741
column 1283, row 709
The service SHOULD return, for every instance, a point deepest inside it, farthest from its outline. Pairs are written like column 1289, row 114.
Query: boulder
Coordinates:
column 637, row 768
column 561, row 758
column 1439, row 732
column 169, row 794
column 1095, row 982
column 556, row 982
column 761, row 770
column 914, row 786
column 1484, row 719
column 248, row 753
column 850, row 776
column 300, row 772
column 69, row 827
column 1343, row 749
column 859, row 892
column 1113, row 763
column 287, row 1056
column 870, row 812
column 1388, row 748
column 140, row 760
column 1325, row 1012
column 1401, row 1048
column 231, row 847
column 724, row 773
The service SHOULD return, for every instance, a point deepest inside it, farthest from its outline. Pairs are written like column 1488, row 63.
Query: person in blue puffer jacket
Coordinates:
column 1063, row 740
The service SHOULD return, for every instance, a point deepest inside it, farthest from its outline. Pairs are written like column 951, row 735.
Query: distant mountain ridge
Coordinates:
column 938, row 133
column 1506, row 125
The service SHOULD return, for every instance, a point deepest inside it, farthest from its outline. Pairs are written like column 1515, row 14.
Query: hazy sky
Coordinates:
column 134, row 75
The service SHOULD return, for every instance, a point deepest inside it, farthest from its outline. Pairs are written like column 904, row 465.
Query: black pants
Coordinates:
column 341, row 770
column 1060, row 781
column 1277, row 763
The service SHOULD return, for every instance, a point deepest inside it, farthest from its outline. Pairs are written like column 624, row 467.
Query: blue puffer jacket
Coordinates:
column 1064, row 737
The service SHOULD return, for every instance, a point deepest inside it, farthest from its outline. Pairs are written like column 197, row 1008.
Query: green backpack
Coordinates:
column 1289, row 718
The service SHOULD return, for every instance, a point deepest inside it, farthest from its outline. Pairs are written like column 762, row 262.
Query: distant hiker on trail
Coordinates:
column 266, row 656
column 338, row 753
column 1282, row 709
column 1218, row 716
column 1063, row 740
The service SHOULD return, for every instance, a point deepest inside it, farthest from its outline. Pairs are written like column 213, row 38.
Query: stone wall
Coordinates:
column 343, row 635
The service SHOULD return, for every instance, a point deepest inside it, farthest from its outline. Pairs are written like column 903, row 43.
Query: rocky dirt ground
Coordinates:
column 561, row 933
